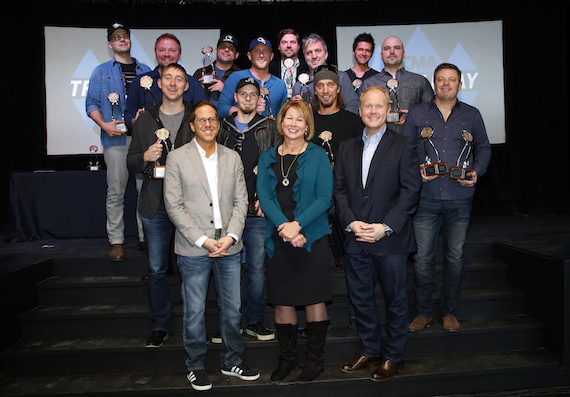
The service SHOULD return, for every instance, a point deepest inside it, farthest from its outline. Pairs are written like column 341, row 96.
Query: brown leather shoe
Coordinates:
column 450, row 324
column 359, row 363
column 116, row 253
column 386, row 371
column 419, row 324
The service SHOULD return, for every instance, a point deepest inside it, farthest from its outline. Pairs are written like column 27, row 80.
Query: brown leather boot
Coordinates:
column 116, row 253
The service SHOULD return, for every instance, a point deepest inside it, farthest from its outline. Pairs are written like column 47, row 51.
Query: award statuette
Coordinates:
column 356, row 84
column 251, row 207
column 326, row 137
column 265, row 95
column 207, row 78
column 304, row 80
column 394, row 115
column 93, row 161
column 458, row 172
column 113, row 97
column 288, row 75
column 429, row 168
column 146, row 83
column 158, row 171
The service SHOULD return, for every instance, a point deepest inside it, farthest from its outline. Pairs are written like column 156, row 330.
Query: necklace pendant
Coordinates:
column 285, row 182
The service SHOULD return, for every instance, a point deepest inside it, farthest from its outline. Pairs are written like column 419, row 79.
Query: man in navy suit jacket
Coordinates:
column 376, row 191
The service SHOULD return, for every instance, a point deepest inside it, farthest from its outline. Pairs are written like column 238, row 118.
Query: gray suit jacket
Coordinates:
column 188, row 199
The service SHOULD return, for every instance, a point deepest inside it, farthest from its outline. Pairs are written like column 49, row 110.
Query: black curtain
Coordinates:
column 528, row 174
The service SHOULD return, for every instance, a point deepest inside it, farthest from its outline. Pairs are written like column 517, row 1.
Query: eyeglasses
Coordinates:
column 240, row 137
column 117, row 37
column 202, row 120
column 332, row 68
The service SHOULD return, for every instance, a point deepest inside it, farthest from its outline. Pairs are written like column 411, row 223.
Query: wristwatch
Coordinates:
column 387, row 230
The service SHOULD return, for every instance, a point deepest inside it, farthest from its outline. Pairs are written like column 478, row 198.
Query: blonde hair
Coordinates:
column 377, row 88
column 304, row 110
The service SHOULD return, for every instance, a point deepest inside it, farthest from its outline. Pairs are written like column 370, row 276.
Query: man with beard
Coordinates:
column 289, row 45
column 105, row 104
column 223, row 67
column 316, row 54
column 362, row 50
column 333, row 125
column 167, row 50
column 260, row 55
column 406, row 89
column 249, row 134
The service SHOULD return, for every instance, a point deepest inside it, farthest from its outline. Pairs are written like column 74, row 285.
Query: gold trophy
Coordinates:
column 458, row 172
column 429, row 168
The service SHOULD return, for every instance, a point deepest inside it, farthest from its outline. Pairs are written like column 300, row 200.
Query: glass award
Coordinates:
column 326, row 137
column 429, row 168
column 207, row 61
column 460, row 172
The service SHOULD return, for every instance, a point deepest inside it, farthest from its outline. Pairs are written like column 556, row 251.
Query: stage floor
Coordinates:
column 545, row 234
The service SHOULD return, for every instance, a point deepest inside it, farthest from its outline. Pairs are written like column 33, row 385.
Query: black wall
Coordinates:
column 528, row 174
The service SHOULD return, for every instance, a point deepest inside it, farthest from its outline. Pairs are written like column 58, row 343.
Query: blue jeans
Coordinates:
column 195, row 273
column 253, row 305
column 158, row 234
column 362, row 273
column 452, row 217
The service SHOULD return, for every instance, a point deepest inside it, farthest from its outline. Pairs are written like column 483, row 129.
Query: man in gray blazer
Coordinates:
column 206, row 199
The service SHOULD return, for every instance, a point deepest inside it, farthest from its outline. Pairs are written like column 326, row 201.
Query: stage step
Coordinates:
column 77, row 283
column 421, row 377
column 112, row 354
column 106, row 319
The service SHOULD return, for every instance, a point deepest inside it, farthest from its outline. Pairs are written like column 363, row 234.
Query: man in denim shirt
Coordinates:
column 105, row 104
column 445, row 203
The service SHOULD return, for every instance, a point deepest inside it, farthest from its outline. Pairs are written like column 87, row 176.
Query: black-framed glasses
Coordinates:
column 202, row 120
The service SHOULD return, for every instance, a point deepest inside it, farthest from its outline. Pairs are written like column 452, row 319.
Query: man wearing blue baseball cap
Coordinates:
column 273, row 89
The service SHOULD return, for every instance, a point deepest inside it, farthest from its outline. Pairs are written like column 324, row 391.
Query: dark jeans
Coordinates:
column 363, row 271
column 452, row 217
column 158, row 233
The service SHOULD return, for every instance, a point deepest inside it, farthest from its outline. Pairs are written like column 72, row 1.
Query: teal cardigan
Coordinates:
column 312, row 192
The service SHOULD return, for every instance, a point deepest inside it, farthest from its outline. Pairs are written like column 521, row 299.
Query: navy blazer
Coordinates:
column 391, row 195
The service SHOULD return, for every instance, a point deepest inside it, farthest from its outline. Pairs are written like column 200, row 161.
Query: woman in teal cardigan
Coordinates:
column 294, row 187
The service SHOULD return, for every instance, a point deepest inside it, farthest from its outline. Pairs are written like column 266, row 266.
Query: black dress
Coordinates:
column 296, row 277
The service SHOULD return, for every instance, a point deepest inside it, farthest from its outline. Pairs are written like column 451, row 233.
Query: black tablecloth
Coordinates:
column 64, row 204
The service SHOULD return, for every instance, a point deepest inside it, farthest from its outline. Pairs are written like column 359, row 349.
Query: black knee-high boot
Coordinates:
column 314, row 363
column 287, row 336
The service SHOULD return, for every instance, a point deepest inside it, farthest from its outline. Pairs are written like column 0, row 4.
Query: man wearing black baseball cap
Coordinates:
column 105, row 104
column 273, row 89
column 249, row 134
column 226, row 54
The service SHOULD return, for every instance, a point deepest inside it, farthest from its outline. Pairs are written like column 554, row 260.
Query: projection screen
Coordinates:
column 72, row 53
column 475, row 47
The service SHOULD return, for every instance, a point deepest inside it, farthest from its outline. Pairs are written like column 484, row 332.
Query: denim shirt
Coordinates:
column 105, row 79
column 448, row 140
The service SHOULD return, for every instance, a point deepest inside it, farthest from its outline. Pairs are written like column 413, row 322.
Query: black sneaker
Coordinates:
column 156, row 338
column 199, row 380
column 241, row 371
column 260, row 331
